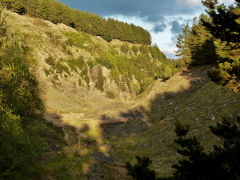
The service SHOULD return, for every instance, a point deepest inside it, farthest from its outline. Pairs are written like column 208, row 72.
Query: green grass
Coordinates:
column 200, row 110
column 78, row 39
column 67, row 168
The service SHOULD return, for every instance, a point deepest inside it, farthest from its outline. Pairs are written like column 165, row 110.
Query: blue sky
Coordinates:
column 164, row 19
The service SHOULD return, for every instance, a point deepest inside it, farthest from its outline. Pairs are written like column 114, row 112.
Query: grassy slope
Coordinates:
column 202, row 108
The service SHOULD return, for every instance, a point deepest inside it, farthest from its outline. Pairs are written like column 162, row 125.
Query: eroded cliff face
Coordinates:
column 83, row 66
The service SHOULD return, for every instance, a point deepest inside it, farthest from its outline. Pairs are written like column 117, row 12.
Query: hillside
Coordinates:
column 88, row 62
column 106, row 102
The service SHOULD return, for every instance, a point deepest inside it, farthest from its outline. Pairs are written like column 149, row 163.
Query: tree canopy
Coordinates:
column 225, row 27
column 215, row 39
column 57, row 12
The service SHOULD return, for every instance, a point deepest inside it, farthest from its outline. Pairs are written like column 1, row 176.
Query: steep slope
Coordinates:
column 79, row 63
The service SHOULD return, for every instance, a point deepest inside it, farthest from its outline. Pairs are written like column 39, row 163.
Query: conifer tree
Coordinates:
column 196, row 44
column 183, row 45
column 225, row 27
column 202, row 46
column 222, row 163
column 141, row 171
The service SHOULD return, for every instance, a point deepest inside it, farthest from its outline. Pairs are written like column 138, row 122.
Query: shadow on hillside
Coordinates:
column 126, row 123
column 83, row 156
column 137, row 120
column 87, row 157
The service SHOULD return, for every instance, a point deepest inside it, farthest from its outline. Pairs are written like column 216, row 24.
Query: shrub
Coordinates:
column 90, row 64
column 144, row 49
column 50, row 61
column 60, row 68
column 20, row 103
column 125, row 48
column 141, row 171
column 75, row 64
column 69, row 52
column 137, row 88
column 135, row 50
column 122, row 86
column 105, row 61
column 110, row 94
column 77, row 39
column 100, row 80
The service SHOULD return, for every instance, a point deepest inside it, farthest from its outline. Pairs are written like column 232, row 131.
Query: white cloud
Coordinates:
column 227, row 1
column 190, row 3
column 165, row 39
column 197, row 3
column 162, row 39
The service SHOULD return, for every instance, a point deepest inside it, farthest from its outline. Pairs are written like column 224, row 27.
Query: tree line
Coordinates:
column 57, row 12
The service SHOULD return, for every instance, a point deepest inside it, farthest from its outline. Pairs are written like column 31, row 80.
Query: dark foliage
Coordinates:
column 141, row 171
column 215, row 39
column 225, row 21
column 20, row 103
column 196, row 44
column 225, row 27
column 222, row 163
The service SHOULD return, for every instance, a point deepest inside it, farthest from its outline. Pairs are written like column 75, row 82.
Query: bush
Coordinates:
column 100, row 80
column 19, row 147
column 135, row 50
column 20, row 103
column 90, row 64
column 125, row 48
column 144, row 49
column 77, row 39
column 50, row 61
column 60, row 68
column 19, row 86
column 110, row 94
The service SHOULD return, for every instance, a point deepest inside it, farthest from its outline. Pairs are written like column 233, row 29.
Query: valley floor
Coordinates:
column 102, row 134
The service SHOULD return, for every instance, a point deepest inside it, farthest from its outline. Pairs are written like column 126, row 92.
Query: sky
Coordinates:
column 164, row 19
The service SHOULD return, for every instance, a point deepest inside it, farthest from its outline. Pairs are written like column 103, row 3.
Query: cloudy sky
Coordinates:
column 164, row 19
